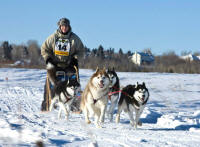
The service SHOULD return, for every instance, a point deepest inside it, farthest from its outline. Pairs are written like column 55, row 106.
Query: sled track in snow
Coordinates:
column 20, row 99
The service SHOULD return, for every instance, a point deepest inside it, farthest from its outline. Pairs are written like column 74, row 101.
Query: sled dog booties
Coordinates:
column 133, row 98
column 95, row 97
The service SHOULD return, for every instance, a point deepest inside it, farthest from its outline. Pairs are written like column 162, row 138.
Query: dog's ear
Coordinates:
column 108, row 69
column 143, row 84
column 136, row 85
column 113, row 69
column 97, row 69
column 104, row 69
column 67, row 81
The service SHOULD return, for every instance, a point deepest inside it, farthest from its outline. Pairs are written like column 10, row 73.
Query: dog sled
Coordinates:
column 61, row 76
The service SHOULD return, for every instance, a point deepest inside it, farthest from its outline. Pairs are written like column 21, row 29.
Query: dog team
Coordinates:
column 102, row 91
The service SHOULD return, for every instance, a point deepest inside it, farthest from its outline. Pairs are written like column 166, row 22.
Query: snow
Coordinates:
column 171, row 117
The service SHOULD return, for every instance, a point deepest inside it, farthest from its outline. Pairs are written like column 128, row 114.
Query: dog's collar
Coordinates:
column 145, row 101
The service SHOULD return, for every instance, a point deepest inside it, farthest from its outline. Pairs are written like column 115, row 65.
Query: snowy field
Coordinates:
column 171, row 117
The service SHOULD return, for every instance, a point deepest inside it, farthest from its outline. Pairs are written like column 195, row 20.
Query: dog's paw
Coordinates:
column 110, row 117
column 117, row 118
column 135, row 126
column 98, row 125
column 88, row 121
column 102, row 121
column 139, row 123
column 67, row 118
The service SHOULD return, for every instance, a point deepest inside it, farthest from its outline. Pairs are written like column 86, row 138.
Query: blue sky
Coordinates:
column 162, row 25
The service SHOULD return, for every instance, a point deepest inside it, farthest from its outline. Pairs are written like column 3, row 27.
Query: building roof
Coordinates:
column 146, row 56
column 190, row 57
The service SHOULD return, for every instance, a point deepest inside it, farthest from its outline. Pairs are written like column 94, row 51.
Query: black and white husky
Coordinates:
column 113, row 92
column 65, row 93
column 133, row 98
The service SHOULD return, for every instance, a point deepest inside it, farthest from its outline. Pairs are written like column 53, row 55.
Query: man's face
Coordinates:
column 64, row 28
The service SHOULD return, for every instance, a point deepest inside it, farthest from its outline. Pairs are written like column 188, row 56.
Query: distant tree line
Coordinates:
column 29, row 54
column 30, row 57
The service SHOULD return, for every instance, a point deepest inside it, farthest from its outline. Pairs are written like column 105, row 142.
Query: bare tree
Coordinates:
column 19, row 52
column 34, row 52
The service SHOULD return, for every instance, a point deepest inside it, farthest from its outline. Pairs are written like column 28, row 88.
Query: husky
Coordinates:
column 65, row 93
column 133, row 98
column 95, row 97
column 113, row 92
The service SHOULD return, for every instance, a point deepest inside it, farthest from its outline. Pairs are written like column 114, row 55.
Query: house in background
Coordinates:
column 140, row 58
column 190, row 57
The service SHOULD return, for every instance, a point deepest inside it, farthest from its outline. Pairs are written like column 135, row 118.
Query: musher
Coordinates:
column 61, row 49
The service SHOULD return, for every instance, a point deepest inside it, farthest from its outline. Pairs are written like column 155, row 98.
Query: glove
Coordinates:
column 50, row 60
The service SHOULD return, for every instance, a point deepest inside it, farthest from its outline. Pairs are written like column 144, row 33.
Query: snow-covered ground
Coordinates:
column 171, row 118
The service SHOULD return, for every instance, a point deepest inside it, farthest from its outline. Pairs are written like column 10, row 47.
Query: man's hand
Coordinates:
column 50, row 60
column 50, row 64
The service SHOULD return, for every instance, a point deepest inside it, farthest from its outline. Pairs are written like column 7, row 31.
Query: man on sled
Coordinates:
column 60, row 52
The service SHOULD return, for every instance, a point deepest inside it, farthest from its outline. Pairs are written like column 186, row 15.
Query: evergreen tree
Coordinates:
column 100, row 52
column 7, row 50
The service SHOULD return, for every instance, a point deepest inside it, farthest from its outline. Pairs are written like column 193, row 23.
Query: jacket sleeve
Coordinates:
column 47, row 48
column 79, row 47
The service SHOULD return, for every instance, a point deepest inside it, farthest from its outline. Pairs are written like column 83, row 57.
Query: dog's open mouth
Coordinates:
column 101, row 85
column 142, row 98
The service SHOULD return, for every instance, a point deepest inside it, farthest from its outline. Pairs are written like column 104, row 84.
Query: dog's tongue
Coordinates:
column 101, row 85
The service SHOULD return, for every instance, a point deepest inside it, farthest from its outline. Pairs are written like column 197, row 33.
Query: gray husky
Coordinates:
column 113, row 92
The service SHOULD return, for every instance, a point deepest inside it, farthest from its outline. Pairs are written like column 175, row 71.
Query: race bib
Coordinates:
column 62, row 47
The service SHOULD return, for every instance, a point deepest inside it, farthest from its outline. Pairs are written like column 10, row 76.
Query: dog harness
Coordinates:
column 66, row 94
column 111, row 93
column 95, row 100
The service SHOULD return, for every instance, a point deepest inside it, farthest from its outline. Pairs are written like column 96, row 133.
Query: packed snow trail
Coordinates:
column 171, row 118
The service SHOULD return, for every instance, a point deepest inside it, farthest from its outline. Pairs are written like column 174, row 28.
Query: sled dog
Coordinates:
column 64, row 89
column 95, row 97
column 113, row 92
column 133, row 98
column 65, row 93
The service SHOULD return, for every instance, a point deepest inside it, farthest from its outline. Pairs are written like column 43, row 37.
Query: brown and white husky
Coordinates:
column 95, row 97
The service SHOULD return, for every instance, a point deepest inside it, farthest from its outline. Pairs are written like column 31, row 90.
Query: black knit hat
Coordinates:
column 64, row 21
